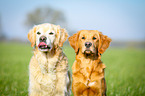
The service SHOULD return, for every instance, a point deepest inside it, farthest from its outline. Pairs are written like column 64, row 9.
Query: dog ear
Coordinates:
column 32, row 36
column 63, row 37
column 104, row 43
column 73, row 40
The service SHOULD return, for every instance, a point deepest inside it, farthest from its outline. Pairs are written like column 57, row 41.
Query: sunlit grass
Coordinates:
column 125, row 71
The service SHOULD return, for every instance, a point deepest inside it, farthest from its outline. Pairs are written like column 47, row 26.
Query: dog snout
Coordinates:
column 88, row 44
column 43, row 39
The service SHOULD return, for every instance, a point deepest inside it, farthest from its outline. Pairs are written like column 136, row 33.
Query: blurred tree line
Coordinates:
column 45, row 15
column 2, row 35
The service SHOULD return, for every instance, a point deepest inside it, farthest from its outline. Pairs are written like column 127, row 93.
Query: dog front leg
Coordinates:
column 61, row 86
column 104, row 88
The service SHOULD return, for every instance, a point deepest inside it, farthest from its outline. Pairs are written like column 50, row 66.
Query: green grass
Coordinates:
column 125, row 71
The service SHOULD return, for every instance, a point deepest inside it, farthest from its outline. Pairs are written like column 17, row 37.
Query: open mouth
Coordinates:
column 43, row 46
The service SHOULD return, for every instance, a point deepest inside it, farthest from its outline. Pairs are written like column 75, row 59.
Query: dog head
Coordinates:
column 89, row 42
column 47, row 36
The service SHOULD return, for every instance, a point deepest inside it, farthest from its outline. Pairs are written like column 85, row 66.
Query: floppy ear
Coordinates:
column 73, row 40
column 32, row 36
column 63, row 37
column 104, row 43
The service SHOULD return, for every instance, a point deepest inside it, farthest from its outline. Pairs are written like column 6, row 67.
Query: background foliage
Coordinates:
column 124, row 72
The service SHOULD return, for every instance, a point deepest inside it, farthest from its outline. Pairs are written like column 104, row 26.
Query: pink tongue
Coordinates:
column 42, row 44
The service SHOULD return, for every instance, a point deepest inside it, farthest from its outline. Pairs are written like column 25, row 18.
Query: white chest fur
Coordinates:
column 47, row 62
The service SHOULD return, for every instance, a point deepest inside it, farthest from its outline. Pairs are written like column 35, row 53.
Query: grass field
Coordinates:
column 125, row 72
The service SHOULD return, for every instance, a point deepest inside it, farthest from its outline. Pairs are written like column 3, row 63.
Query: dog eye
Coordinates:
column 51, row 33
column 83, row 37
column 94, row 38
column 38, row 33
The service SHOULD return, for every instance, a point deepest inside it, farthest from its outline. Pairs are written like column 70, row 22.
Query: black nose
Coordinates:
column 88, row 44
column 43, row 39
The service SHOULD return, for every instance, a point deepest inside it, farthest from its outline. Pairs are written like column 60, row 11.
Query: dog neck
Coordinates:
column 87, row 63
column 88, row 60
column 47, row 60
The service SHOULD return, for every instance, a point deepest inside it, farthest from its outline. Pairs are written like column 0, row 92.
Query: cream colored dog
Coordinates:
column 48, row 68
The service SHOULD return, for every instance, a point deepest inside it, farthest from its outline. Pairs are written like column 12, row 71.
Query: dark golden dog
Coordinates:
column 88, row 69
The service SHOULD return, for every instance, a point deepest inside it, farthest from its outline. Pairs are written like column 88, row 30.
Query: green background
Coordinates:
column 125, row 71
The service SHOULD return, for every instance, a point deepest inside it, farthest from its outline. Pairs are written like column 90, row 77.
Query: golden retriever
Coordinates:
column 88, row 69
column 48, row 68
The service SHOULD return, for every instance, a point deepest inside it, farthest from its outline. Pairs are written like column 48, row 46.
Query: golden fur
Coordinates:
column 88, row 69
column 48, row 71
